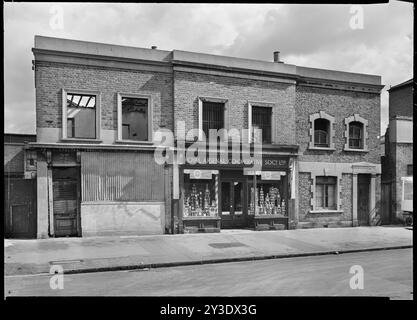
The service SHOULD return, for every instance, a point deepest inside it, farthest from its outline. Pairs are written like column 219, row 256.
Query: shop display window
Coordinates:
column 269, row 198
column 201, row 195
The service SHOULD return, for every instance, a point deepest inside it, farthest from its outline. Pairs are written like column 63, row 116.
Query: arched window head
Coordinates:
column 321, row 131
column 356, row 134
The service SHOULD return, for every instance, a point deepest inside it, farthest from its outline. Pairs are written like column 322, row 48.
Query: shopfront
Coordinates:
column 215, row 197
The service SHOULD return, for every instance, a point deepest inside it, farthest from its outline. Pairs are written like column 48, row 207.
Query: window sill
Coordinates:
column 134, row 142
column 80, row 140
column 321, row 149
column 325, row 211
column 356, row 150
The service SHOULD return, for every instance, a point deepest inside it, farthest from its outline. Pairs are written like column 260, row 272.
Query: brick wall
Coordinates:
column 401, row 102
column 52, row 77
column 189, row 86
column 339, row 104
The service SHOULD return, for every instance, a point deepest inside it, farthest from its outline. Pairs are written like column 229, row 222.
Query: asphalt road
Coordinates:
column 385, row 273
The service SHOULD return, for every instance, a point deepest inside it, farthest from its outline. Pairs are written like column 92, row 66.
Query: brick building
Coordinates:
column 101, row 109
column 397, row 163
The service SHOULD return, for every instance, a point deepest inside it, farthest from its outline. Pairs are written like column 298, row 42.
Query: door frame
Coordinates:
column 78, row 193
column 367, row 177
column 231, row 218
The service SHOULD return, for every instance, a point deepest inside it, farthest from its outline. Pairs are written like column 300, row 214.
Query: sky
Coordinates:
column 318, row 36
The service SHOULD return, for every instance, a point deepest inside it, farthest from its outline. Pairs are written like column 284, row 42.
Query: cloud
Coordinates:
column 309, row 35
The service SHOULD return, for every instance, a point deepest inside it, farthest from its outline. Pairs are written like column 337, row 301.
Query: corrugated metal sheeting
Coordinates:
column 121, row 176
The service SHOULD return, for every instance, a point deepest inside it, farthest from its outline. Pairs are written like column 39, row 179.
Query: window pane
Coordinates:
column 408, row 190
column 262, row 119
column 81, row 116
column 331, row 203
column 135, row 119
column 321, row 132
column 355, row 135
column 213, row 116
column 319, row 195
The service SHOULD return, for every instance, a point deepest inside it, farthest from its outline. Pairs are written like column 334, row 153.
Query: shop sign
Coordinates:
column 271, row 175
column 274, row 163
column 200, row 174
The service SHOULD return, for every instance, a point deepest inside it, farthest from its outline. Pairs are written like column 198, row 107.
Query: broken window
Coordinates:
column 135, row 117
column 81, row 116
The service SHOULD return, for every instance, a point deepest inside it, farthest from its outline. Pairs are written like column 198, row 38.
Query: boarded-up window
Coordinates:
column 121, row 176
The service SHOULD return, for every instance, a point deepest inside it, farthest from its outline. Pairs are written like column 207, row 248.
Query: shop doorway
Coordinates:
column 363, row 199
column 66, row 208
column 234, row 213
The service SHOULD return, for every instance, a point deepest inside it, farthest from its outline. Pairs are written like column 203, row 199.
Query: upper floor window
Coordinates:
column 355, row 135
column 262, row 119
column 81, row 116
column 213, row 116
column 321, row 131
column 326, row 192
column 134, row 117
column 409, row 169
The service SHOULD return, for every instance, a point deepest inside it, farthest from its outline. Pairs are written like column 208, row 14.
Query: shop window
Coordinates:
column 213, row 116
column 321, row 133
column 356, row 133
column 269, row 198
column 81, row 116
column 200, row 193
column 262, row 119
column 326, row 193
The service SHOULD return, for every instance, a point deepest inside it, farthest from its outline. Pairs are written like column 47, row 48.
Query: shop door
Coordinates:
column 66, row 201
column 363, row 199
column 233, row 204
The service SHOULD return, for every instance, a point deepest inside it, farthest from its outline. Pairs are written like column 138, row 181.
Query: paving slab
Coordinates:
column 132, row 252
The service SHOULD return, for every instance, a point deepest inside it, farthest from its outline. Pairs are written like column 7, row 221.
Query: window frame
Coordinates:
column 356, row 118
column 325, row 195
column 202, row 99
column 149, row 97
column 262, row 104
column 322, row 115
column 64, row 119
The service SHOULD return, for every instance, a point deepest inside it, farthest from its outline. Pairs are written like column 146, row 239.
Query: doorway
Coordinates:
column 363, row 199
column 66, row 204
column 234, row 213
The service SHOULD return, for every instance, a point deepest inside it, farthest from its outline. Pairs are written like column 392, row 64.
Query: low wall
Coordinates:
column 122, row 218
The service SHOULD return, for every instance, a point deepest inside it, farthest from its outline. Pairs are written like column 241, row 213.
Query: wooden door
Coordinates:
column 234, row 204
column 66, row 204
column 20, row 208
column 363, row 199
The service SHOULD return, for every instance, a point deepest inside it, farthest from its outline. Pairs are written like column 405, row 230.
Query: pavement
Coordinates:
column 93, row 254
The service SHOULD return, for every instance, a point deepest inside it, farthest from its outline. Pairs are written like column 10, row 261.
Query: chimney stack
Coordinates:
column 276, row 57
column 154, row 47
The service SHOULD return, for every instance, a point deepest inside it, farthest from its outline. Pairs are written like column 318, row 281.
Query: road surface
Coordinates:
column 385, row 273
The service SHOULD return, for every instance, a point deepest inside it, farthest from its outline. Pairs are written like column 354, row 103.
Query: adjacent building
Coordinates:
column 397, row 163
column 101, row 110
